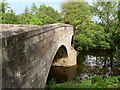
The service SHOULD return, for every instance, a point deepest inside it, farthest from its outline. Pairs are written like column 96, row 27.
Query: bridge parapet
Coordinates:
column 28, row 52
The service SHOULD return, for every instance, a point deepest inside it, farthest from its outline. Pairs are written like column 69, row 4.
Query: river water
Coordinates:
column 89, row 63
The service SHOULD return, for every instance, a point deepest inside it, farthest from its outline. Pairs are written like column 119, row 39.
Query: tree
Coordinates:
column 75, row 13
column 106, row 12
column 44, row 17
column 34, row 8
column 36, row 21
column 26, row 16
column 9, row 18
column 4, row 6
column 117, row 38
column 92, row 36
column 51, row 12
column 26, row 11
column 7, row 15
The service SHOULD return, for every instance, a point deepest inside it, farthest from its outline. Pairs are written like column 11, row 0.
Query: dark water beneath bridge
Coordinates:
column 89, row 63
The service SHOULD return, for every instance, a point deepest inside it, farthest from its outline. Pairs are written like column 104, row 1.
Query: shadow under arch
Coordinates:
column 72, row 41
column 58, row 73
column 61, row 57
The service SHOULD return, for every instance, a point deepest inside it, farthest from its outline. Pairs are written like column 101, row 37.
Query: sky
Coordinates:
column 18, row 6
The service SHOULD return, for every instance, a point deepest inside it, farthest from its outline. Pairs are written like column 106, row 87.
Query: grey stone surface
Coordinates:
column 28, row 52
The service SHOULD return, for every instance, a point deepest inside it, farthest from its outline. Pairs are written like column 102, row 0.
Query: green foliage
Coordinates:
column 36, row 21
column 95, row 81
column 102, row 34
column 9, row 18
column 4, row 6
column 34, row 8
column 91, row 37
column 85, row 83
column 33, row 16
column 107, row 82
column 52, row 82
column 53, row 14
column 75, row 13
column 117, row 55
column 116, row 39
column 106, row 11
column 40, row 16
column 96, row 78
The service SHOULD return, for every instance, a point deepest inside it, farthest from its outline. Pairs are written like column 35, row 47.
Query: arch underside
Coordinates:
column 61, row 57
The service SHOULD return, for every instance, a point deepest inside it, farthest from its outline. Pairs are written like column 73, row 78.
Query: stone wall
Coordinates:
column 27, row 53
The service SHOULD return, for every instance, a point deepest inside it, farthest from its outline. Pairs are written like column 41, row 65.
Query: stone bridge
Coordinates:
column 28, row 51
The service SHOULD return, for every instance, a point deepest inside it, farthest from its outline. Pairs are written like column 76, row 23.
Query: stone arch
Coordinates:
column 61, row 57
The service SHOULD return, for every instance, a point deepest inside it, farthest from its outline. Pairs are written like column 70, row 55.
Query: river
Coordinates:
column 89, row 63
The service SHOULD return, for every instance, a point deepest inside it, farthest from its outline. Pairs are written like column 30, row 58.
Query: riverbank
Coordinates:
column 96, row 81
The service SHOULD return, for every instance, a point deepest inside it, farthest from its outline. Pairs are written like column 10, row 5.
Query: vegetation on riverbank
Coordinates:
column 96, row 81
column 93, row 37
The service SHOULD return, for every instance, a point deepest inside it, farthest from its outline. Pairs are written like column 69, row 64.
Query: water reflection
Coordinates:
column 88, row 64
column 62, row 74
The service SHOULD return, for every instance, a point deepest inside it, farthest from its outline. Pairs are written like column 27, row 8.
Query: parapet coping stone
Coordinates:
column 20, row 29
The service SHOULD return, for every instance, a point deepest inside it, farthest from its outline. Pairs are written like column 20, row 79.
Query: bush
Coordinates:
column 95, row 81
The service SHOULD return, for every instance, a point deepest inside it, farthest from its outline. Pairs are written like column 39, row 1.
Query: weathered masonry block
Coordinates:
column 28, row 51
